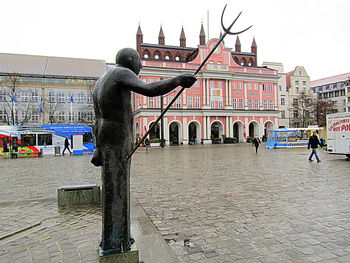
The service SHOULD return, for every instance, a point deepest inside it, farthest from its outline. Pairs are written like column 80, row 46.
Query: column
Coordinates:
column 184, row 131
column 166, row 131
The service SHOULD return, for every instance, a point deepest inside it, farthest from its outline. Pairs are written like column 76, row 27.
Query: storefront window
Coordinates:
column 44, row 139
column 28, row 139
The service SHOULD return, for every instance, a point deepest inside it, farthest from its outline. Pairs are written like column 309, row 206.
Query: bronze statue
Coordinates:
column 113, row 135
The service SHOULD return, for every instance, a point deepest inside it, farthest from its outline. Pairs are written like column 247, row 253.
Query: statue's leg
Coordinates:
column 115, row 201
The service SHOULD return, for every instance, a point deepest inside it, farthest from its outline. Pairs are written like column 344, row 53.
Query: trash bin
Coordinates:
column 57, row 150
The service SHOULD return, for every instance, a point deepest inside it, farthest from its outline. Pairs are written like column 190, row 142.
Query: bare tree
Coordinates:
column 13, row 102
column 88, row 116
column 322, row 108
column 50, row 106
column 303, row 109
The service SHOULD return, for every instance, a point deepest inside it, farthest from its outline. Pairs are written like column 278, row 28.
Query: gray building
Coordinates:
column 47, row 90
column 334, row 88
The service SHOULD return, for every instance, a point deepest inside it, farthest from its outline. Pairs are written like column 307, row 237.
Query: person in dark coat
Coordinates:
column 313, row 143
column 256, row 142
column 66, row 146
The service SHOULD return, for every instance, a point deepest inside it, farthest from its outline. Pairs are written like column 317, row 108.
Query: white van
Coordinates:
column 338, row 133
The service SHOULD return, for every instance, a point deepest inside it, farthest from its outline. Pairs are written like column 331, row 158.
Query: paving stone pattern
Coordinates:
column 211, row 203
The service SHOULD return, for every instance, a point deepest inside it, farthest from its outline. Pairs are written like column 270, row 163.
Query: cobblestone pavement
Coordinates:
column 212, row 203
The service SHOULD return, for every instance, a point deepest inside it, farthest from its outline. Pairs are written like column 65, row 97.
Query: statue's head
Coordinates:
column 129, row 58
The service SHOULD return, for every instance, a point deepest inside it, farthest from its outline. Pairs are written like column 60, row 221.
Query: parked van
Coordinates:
column 338, row 133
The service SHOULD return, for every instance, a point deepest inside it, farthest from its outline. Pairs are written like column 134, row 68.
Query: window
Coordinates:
column 270, row 87
column 296, row 90
column 256, row 104
column 304, row 82
column 61, row 116
column 283, row 102
column 28, row 139
column 44, row 139
column 71, row 117
column 295, row 113
column 240, row 104
column 240, row 85
column 80, row 116
column 60, row 97
column 24, row 96
column 35, row 96
column 80, row 98
column 264, row 87
column 51, row 96
column 256, row 86
column 35, row 116
column 297, row 82
column 249, row 103
column 295, row 102
column 265, row 105
column 283, row 114
column 250, row 86
column 220, row 104
column 196, row 102
column 150, row 102
column 170, row 98
column 189, row 102
column 271, row 105
column 234, row 103
column 211, row 83
column 178, row 102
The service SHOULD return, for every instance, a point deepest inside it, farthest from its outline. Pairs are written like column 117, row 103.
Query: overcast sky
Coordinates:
column 310, row 33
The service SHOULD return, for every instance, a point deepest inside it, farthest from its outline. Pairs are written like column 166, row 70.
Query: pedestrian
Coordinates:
column 256, row 142
column 147, row 144
column 66, row 146
column 313, row 143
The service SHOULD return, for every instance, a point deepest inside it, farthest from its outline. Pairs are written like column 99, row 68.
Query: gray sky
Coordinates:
column 309, row 33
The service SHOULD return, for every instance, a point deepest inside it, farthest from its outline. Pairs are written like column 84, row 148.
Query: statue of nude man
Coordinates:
column 113, row 134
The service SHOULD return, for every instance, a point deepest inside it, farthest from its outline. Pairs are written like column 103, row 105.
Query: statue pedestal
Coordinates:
column 131, row 256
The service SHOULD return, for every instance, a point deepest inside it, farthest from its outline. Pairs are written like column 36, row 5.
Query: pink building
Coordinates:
column 233, row 97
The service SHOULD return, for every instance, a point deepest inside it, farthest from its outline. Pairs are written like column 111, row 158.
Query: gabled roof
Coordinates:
column 53, row 66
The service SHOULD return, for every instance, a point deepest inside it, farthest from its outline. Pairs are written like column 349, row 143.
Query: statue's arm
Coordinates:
column 129, row 80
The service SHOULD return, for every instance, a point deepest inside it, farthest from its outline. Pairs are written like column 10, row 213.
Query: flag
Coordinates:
column 14, row 98
column 71, row 99
column 41, row 106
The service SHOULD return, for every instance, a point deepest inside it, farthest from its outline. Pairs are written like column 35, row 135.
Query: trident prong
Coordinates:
column 227, row 30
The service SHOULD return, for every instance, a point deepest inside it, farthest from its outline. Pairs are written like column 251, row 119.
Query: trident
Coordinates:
column 227, row 32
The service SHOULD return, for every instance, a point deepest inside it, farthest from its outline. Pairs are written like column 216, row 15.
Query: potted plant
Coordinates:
column 215, row 140
column 155, row 142
column 230, row 140
column 248, row 139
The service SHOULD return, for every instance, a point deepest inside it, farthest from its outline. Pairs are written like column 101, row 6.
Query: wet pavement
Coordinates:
column 210, row 203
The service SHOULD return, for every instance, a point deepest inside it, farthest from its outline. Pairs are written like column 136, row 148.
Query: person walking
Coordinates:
column 66, row 146
column 256, row 142
column 313, row 143
column 147, row 144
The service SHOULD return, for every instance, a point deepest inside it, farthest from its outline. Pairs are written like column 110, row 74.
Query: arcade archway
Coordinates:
column 174, row 133
column 216, row 130
column 238, row 130
column 193, row 132
column 253, row 129
column 155, row 132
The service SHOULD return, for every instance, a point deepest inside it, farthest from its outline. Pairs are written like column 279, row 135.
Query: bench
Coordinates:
column 78, row 195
